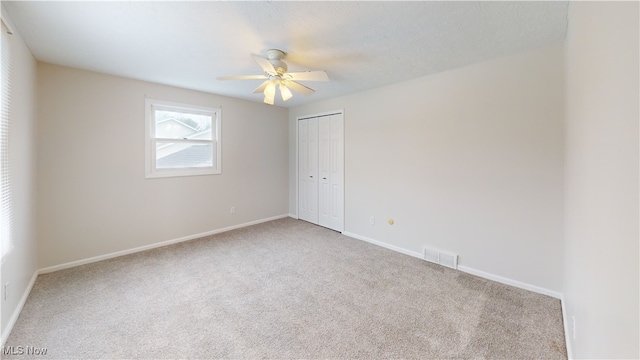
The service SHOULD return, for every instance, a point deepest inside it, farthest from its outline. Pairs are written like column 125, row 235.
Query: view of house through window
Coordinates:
column 182, row 140
column 175, row 125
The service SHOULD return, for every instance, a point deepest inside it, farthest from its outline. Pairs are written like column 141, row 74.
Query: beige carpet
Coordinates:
column 283, row 289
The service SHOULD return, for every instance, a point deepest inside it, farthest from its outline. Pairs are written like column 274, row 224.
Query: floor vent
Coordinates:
column 442, row 258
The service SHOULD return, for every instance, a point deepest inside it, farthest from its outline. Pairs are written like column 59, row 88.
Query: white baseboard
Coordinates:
column 293, row 216
column 384, row 245
column 463, row 268
column 18, row 309
column 567, row 329
column 153, row 246
column 511, row 282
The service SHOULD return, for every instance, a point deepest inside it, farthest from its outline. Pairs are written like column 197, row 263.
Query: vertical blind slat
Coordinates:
column 6, row 196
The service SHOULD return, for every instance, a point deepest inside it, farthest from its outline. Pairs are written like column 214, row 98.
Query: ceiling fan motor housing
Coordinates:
column 275, row 57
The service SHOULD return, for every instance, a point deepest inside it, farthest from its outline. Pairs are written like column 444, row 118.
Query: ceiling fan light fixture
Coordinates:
column 285, row 92
column 270, row 93
column 276, row 74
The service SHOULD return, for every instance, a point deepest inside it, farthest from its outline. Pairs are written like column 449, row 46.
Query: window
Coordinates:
column 6, row 196
column 181, row 140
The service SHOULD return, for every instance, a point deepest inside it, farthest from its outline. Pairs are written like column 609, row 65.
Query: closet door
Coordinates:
column 308, row 170
column 331, row 172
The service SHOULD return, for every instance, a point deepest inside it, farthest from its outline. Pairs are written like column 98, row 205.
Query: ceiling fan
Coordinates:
column 275, row 73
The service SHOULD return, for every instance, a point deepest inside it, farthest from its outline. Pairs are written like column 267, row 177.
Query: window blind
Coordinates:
column 6, row 197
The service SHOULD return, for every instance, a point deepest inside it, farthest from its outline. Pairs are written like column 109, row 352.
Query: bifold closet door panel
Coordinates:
column 331, row 172
column 308, row 170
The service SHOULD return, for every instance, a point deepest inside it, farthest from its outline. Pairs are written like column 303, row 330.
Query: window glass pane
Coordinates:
column 181, row 125
column 183, row 155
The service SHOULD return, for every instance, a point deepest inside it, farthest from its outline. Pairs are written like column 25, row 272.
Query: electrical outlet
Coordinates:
column 372, row 220
column 573, row 327
column 233, row 210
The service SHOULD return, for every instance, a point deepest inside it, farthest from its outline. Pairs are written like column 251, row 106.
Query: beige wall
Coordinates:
column 93, row 195
column 601, row 250
column 468, row 161
column 20, row 265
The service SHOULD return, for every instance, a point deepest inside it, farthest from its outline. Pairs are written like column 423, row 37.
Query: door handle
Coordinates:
column 324, row 178
column 310, row 176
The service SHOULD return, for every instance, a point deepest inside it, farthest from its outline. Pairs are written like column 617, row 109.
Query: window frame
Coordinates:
column 151, row 171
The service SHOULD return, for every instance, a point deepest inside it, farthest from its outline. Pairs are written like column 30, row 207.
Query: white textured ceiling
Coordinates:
column 361, row 45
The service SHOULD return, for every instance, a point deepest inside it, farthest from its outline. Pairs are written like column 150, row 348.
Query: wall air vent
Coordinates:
column 442, row 258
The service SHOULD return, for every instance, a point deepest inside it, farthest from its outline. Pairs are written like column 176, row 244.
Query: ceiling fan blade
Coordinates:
column 262, row 86
column 242, row 77
column 299, row 88
column 309, row 76
column 265, row 65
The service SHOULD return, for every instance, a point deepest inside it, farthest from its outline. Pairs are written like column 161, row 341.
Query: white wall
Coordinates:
column 20, row 265
column 469, row 161
column 92, row 192
column 601, row 199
